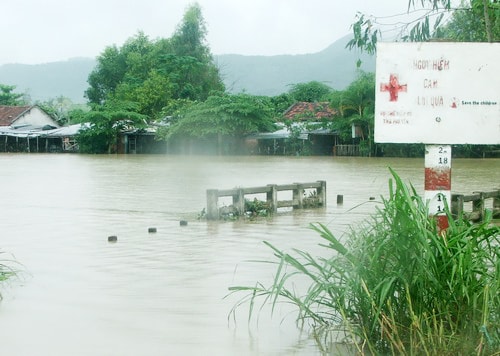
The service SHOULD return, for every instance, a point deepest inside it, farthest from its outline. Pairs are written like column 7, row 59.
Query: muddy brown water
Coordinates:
column 164, row 293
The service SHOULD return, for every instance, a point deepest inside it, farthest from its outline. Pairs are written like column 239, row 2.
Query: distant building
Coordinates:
column 302, row 111
column 25, row 116
column 31, row 129
column 305, row 132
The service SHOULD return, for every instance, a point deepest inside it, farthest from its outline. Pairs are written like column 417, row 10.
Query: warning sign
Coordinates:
column 438, row 93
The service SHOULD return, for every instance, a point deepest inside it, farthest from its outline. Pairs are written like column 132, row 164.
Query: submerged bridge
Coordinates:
column 473, row 206
column 300, row 200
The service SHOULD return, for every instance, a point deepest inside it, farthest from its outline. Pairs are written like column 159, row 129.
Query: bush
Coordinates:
column 398, row 285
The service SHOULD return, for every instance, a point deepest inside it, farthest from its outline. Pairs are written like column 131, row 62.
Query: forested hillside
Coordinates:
column 258, row 75
column 49, row 80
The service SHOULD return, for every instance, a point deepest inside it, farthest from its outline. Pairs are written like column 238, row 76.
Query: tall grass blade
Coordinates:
column 400, row 285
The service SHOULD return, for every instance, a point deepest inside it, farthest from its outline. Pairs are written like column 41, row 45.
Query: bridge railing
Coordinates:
column 299, row 200
column 480, row 202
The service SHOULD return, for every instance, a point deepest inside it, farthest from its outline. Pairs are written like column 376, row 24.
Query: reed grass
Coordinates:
column 397, row 285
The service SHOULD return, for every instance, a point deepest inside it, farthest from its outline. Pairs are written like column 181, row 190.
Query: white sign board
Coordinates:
column 438, row 93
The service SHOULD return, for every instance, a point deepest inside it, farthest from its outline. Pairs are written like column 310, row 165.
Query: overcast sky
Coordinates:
column 35, row 31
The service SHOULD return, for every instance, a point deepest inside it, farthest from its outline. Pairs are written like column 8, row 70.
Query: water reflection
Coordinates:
column 163, row 293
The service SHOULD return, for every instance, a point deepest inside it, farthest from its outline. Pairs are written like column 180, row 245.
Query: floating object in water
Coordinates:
column 183, row 223
column 112, row 238
column 152, row 229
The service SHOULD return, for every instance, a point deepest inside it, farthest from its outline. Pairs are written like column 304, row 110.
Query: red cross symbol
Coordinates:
column 393, row 87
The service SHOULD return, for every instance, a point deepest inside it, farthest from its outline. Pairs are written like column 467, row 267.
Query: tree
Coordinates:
column 106, row 122
column 356, row 105
column 281, row 103
column 109, row 72
column 59, row 108
column 311, row 92
column 152, row 74
column 9, row 98
column 227, row 115
column 198, row 75
column 151, row 96
column 482, row 13
column 189, row 38
column 467, row 24
column 473, row 20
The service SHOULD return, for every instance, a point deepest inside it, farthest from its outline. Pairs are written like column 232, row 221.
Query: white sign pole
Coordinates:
column 432, row 93
column 438, row 182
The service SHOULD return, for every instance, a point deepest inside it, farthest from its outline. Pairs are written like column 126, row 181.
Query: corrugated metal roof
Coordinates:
column 31, row 131
column 64, row 131
column 284, row 132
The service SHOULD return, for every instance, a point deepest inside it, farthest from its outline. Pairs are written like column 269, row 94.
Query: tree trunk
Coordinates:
column 487, row 21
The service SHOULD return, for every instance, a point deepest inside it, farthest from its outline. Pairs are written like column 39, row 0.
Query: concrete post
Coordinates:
column 496, row 206
column 457, row 205
column 212, row 204
column 272, row 198
column 239, row 201
column 298, row 195
column 321, row 191
column 478, row 206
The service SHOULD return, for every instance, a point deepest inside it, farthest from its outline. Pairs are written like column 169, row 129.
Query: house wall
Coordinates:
column 140, row 143
column 35, row 117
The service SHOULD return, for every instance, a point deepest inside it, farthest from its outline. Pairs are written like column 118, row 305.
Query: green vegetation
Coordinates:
column 8, row 97
column 397, row 285
column 311, row 92
column 146, row 79
column 176, row 84
column 356, row 106
column 257, row 208
column 255, row 75
column 473, row 20
column 106, row 121
column 154, row 72
column 224, row 116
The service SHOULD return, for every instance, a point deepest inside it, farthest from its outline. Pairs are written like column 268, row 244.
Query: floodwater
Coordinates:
column 164, row 293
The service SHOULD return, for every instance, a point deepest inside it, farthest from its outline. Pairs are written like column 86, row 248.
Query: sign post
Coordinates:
column 439, row 94
column 437, row 183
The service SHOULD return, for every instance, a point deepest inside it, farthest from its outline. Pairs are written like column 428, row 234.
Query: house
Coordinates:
column 25, row 116
column 134, row 141
column 26, row 129
column 306, row 132
column 306, row 111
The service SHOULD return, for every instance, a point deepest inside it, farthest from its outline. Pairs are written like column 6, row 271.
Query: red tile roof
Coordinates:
column 306, row 111
column 9, row 114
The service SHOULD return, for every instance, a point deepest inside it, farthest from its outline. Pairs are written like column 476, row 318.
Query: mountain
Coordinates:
column 257, row 75
column 273, row 75
column 50, row 80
